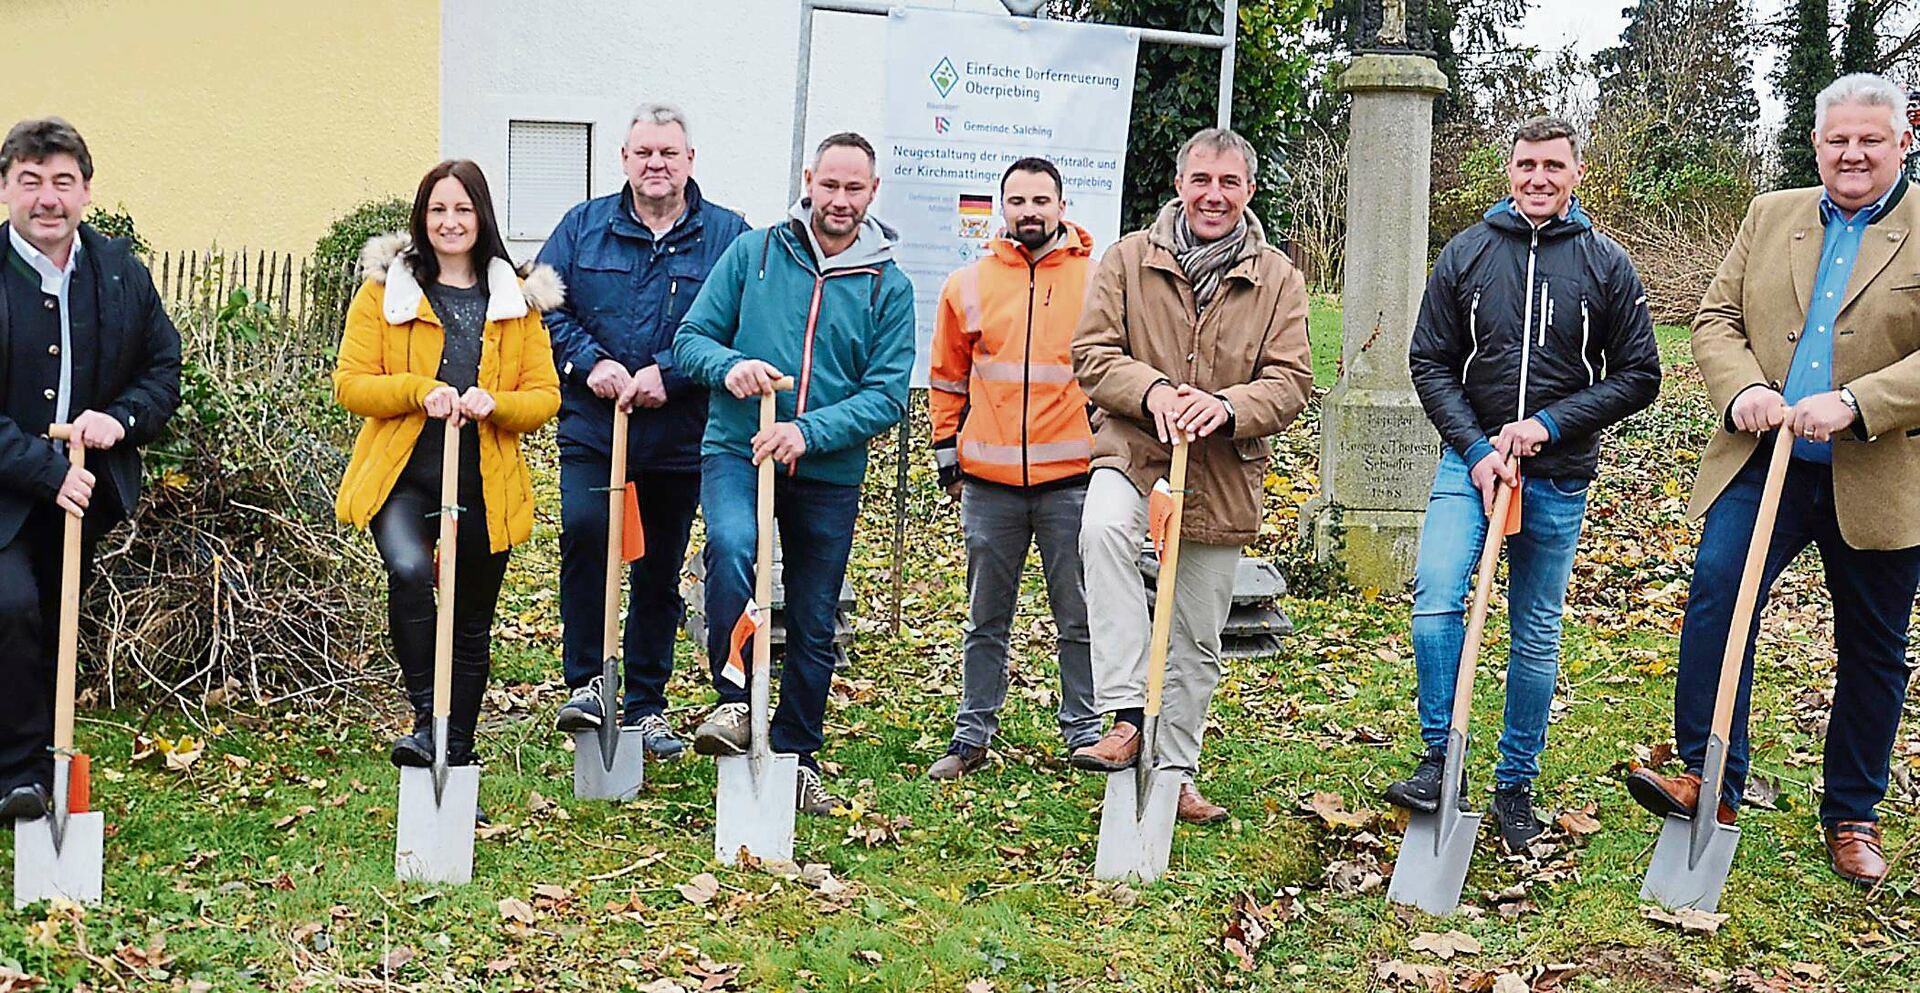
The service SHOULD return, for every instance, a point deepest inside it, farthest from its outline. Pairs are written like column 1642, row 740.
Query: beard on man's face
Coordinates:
column 1034, row 235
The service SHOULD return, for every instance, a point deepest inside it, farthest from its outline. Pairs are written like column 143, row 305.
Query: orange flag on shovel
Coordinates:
column 79, row 785
column 1159, row 513
column 633, row 538
column 1511, row 526
column 736, row 668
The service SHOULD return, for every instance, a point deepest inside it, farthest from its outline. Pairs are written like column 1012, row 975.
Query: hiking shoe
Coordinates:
column 726, row 731
column 657, row 736
column 1513, row 818
column 959, row 760
column 25, row 803
column 1115, row 752
column 1420, row 792
column 582, row 711
column 810, row 795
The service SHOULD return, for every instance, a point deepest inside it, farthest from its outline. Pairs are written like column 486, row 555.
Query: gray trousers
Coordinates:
column 1113, row 529
column 1000, row 523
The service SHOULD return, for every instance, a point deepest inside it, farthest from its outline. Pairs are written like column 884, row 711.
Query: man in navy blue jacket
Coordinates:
column 632, row 262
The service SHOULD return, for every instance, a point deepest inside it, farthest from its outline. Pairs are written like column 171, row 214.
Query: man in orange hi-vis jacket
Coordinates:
column 1011, row 438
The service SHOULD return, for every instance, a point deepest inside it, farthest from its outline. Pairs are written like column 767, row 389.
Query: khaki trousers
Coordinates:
column 1111, row 533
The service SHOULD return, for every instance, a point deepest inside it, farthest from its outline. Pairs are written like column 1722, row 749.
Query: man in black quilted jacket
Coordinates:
column 1533, row 338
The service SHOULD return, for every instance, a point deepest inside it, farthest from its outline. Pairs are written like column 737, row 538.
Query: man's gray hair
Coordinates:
column 1862, row 89
column 661, row 113
column 1219, row 141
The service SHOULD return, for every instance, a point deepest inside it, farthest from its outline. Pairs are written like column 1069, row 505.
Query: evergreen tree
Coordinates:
column 1860, row 44
column 1806, row 69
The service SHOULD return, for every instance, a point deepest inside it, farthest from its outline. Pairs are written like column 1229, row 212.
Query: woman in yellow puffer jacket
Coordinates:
column 447, row 335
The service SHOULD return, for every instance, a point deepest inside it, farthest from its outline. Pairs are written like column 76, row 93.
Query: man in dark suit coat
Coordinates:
column 83, row 341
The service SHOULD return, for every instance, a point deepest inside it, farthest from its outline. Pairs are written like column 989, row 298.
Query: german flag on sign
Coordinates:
column 974, row 203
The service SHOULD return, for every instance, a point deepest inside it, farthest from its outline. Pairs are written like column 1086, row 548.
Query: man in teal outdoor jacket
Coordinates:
column 818, row 298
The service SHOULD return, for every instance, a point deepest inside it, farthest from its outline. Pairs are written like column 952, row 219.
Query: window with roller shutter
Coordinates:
column 548, row 168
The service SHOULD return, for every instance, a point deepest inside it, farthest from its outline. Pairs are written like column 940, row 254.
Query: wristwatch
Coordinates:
column 1852, row 402
column 1224, row 402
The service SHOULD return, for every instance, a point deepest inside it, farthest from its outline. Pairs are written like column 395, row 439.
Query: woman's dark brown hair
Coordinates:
column 487, row 243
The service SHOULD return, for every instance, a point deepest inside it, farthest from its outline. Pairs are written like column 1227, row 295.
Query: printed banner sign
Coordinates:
column 967, row 94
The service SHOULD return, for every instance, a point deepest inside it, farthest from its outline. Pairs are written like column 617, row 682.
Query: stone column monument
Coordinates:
column 1378, row 452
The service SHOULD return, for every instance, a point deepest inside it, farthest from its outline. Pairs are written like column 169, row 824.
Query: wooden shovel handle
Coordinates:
column 1735, row 653
column 763, row 536
column 1164, row 586
column 616, row 536
column 1477, row 613
column 449, row 555
column 68, row 658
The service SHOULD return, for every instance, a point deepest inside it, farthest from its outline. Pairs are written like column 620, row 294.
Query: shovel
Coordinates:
column 1694, row 854
column 434, row 843
column 1437, row 847
column 609, row 762
column 753, row 804
column 1136, row 819
column 60, row 855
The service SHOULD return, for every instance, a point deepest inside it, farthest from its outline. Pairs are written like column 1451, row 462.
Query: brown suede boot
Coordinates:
column 1196, row 809
column 1671, row 796
column 1112, row 753
column 1853, row 848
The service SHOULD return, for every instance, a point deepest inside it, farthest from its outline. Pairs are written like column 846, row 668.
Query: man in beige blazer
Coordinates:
column 1813, row 326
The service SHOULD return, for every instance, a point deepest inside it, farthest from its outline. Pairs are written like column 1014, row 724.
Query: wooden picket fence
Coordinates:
column 290, row 291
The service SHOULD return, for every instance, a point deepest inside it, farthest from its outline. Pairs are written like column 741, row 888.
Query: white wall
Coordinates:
column 728, row 63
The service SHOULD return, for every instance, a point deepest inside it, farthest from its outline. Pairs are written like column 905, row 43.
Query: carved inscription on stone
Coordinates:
column 1384, row 457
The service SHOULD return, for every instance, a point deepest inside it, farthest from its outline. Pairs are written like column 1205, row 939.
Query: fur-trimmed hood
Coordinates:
column 509, row 297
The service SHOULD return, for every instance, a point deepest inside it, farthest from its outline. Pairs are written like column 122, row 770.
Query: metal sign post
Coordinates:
column 1225, row 43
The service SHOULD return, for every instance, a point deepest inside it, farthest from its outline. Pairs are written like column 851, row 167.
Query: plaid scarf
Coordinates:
column 1206, row 262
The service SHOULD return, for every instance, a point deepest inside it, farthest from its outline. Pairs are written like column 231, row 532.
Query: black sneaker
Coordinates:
column 811, row 796
column 582, row 711
column 657, row 737
column 1420, row 792
column 1513, row 818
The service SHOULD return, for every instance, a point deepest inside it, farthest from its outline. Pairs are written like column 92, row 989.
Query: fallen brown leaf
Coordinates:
column 1698, row 921
column 701, row 889
column 1446, row 945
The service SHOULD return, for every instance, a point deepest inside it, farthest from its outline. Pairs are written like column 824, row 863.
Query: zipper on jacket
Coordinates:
column 1586, row 330
column 1546, row 310
column 1473, row 337
column 1526, row 328
column 806, row 358
column 1026, row 378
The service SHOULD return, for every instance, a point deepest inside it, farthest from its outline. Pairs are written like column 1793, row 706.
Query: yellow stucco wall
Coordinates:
column 253, row 123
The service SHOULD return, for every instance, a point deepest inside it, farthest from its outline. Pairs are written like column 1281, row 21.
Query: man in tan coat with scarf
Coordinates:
column 1196, row 326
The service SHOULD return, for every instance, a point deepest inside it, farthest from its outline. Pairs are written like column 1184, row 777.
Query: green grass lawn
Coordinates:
column 267, row 862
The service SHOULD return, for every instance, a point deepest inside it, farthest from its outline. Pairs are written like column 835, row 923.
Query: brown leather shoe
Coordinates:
column 1853, row 848
column 1671, row 796
column 959, row 760
column 1112, row 753
column 1196, row 809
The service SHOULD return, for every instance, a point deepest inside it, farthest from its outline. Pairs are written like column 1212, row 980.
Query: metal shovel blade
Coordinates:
column 755, row 812
column 434, row 843
column 71, row 871
column 1136, row 841
column 608, row 732
column 1680, row 880
column 599, row 775
column 1434, row 857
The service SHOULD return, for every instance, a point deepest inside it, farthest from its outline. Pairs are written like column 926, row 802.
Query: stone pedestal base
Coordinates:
column 1375, row 548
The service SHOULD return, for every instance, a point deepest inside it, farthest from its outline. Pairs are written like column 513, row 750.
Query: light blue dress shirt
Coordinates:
column 1812, row 369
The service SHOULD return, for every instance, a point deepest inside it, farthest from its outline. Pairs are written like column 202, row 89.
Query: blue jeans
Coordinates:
column 1539, row 563
column 654, row 607
column 1872, row 601
column 816, row 536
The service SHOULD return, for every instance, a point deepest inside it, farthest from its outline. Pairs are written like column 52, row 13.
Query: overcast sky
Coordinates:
column 1590, row 25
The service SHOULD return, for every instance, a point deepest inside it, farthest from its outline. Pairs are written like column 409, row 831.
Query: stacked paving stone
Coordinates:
column 1256, row 624
column 695, row 592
